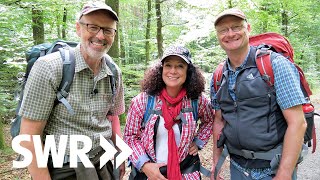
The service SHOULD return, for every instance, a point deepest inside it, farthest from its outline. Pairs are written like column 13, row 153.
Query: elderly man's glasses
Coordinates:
column 95, row 29
column 224, row 31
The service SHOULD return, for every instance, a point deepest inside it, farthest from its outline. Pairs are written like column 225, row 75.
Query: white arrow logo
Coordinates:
column 126, row 151
column 110, row 151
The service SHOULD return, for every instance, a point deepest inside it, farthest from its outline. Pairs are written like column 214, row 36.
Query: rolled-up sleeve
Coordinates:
column 206, row 115
column 132, row 131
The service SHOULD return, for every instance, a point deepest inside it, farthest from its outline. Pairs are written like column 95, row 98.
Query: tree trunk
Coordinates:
column 114, row 50
column 264, row 21
column 284, row 19
column 37, row 26
column 58, row 26
column 2, row 140
column 148, row 33
column 122, row 46
column 317, row 61
column 159, row 29
column 230, row 5
column 64, row 23
column 284, row 23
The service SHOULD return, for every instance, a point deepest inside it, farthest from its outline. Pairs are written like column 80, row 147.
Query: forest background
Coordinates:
column 145, row 28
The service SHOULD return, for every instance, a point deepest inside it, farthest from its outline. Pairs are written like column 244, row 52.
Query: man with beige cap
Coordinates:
column 95, row 110
column 261, row 127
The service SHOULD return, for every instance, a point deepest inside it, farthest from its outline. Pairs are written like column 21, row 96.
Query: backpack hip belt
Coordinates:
column 265, row 155
column 273, row 155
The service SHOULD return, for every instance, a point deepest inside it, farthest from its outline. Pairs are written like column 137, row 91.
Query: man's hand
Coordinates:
column 292, row 143
column 287, row 176
column 152, row 171
column 122, row 170
column 218, row 125
column 193, row 150
column 219, row 177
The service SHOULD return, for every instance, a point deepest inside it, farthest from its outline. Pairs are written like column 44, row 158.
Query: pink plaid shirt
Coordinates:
column 141, row 140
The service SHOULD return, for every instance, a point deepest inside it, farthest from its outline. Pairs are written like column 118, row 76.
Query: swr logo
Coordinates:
column 75, row 153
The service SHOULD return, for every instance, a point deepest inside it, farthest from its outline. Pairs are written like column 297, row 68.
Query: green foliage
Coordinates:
column 123, row 118
column 132, row 74
column 206, row 52
column 8, row 84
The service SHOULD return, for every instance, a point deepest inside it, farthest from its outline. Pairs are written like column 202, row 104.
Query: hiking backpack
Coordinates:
column 266, row 44
column 68, row 59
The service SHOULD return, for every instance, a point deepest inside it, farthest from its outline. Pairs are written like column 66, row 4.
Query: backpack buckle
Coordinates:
column 248, row 154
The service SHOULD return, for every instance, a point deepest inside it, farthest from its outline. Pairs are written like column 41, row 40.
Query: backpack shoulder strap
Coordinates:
column 113, row 79
column 150, row 109
column 263, row 61
column 217, row 76
column 67, row 56
column 306, row 88
column 194, row 103
column 193, row 109
column 151, row 103
column 264, row 57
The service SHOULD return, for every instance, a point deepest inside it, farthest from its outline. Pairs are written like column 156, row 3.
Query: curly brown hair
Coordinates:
column 153, row 83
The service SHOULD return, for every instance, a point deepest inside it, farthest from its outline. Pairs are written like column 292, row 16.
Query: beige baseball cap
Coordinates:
column 95, row 6
column 230, row 12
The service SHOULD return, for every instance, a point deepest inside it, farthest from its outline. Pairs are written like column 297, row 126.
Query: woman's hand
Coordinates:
column 152, row 171
column 193, row 150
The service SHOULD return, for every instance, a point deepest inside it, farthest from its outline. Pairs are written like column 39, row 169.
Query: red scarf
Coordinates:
column 169, row 115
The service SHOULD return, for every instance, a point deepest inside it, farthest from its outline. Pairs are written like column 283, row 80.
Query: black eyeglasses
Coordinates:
column 91, row 28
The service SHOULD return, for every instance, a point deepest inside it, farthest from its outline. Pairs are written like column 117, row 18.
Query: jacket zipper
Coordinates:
column 268, row 118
